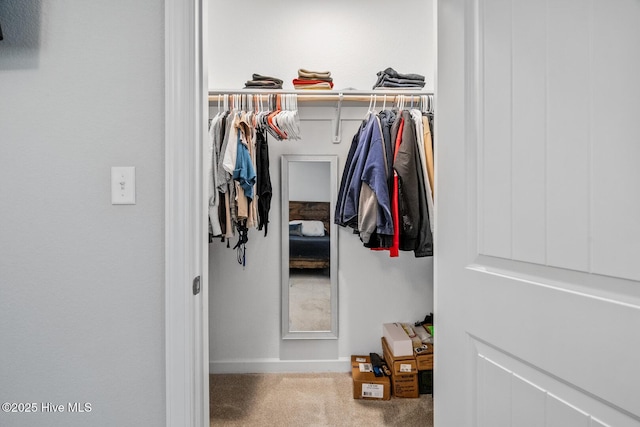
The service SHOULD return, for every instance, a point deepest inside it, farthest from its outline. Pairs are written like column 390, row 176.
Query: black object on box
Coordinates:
column 425, row 382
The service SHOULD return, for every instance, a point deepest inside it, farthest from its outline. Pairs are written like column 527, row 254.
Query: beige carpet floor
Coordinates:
column 309, row 300
column 292, row 400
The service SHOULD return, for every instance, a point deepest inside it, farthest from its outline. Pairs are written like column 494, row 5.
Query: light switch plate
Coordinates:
column 123, row 185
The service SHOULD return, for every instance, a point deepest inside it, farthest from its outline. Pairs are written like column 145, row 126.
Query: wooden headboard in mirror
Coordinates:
column 318, row 211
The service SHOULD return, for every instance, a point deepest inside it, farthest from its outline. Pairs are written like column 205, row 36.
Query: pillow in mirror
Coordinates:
column 307, row 227
column 295, row 229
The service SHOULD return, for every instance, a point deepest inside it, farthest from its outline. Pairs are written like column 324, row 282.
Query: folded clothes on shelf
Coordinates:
column 312, row 84
column 263, row 82
column 390, row 78
column 309, row 74
column 309, row 79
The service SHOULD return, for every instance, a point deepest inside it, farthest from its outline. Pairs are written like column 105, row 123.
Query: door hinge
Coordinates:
column 196, row 285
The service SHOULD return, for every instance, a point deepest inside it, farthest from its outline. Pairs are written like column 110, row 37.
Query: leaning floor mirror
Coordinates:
column 309, row 247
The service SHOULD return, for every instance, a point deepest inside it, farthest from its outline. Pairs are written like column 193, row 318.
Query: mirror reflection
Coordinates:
column 309, row 282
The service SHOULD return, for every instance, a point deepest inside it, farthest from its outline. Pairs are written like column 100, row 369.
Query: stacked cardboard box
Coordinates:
column 365, row 384
column 424, row 360
column 404, row 372
column 411, row 368
column 398, row 352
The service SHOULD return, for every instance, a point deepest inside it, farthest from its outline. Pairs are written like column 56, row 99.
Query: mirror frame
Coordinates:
column 286, row 159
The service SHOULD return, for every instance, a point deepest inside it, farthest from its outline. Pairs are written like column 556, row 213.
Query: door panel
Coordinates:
column 495, row 176
column 506, row 398
column 494, row 390
column 615, row 148
column 527, row 409
column 561, row 414
column 567, row 136
column 527, row 137
column 537, row 215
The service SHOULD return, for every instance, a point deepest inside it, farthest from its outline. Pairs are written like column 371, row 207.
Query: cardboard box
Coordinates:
column 399, row 342
column 404, row 373
column 424, row 361
column 356, row 360
column 365, row 384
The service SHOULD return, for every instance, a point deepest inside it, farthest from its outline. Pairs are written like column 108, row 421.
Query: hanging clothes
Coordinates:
column 244, row 173
column 346, row 177
column 387, row 119
column 263, row 185
column 428, row 148
column 370, row 132
column 395, row 248
column 415, row 230
column 374, row 207
column 417, row 119
column 385, row 192
column 239, row 179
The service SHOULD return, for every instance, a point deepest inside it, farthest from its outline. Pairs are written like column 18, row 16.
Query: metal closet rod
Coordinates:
column 324, row 95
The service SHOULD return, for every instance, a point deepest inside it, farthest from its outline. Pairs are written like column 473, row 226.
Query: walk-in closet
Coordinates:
column 536, row 234
column 354, row 41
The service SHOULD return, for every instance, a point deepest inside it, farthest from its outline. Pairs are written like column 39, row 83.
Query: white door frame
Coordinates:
column 186, row 314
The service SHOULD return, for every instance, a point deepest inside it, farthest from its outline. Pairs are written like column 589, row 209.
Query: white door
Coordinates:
column 538, row 213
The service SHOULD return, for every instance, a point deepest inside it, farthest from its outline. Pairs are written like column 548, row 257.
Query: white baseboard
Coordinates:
column 267, row 366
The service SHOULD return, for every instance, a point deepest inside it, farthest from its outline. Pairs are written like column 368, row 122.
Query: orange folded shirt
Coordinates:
column 308, row 82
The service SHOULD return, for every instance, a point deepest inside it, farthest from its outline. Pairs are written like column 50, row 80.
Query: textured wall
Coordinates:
column 81, row 280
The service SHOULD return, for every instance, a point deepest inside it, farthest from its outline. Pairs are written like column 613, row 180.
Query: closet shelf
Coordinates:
column 325, row 95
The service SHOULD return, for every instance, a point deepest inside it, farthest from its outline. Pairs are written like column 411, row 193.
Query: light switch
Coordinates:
column 123, row 185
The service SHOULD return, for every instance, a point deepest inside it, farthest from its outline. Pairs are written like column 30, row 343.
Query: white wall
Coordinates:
column 81, row 281
column 309, row 181
column 354, row 40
